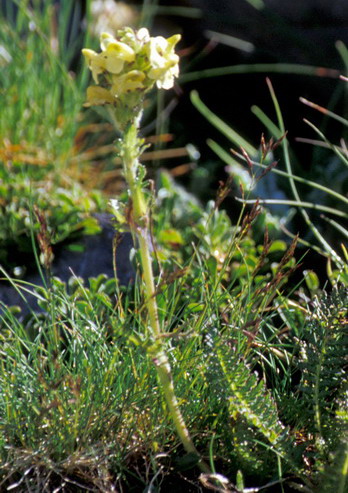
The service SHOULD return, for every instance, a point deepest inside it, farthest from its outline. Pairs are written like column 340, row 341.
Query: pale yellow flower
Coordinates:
column 112, row 58
column 94, row 63
column 108, row 42
column 97, row 95
column 131, row 65
column 128, row 82
column 163, row 60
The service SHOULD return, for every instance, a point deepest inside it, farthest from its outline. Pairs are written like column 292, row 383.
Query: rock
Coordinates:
column 95, row 256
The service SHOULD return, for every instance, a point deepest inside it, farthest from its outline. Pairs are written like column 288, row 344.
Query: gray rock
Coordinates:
column 95, row 257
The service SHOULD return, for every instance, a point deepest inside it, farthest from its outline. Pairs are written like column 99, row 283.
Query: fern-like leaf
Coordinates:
column 334, row 476
column 324, row 390
column 324, row 362
column 246, row 395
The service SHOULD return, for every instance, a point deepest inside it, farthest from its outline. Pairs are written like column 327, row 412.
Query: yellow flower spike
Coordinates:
column 128, row 82
column 132, row 62
column 97, row 96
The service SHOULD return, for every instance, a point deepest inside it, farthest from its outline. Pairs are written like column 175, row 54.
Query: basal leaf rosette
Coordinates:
column 129, row 65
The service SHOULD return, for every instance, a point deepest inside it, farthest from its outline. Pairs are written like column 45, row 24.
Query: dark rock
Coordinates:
column 94, row 257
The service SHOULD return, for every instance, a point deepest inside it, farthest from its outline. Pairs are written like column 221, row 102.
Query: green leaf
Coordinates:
column 212, row 266
column 312, row 280
column 278, row 246
column 171, row 237
column 195, row 307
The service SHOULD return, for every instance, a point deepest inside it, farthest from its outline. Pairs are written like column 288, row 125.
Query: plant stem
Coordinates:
column 139, row 219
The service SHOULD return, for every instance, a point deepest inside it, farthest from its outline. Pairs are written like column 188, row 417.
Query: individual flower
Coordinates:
column 163, row 60
column 128, row 82
column 98, row 96
column 112, row 58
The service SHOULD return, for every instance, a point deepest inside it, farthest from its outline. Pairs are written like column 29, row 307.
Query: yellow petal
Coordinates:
column 110, row 45
column 97, row 96
column 88, row 53
column 120, row 50
column 173, row 40
column 112, row 64
column 105, row 39
column 95, row 62
column 129, row 82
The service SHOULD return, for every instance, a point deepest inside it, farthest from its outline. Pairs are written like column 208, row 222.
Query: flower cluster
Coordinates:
column 129, row 65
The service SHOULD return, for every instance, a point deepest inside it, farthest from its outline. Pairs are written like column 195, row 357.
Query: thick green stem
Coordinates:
column 140, row 223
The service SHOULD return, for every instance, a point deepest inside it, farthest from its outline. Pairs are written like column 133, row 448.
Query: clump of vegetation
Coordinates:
column 254, row 368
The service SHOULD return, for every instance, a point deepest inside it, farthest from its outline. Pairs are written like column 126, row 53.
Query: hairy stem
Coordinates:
column 130, row 151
